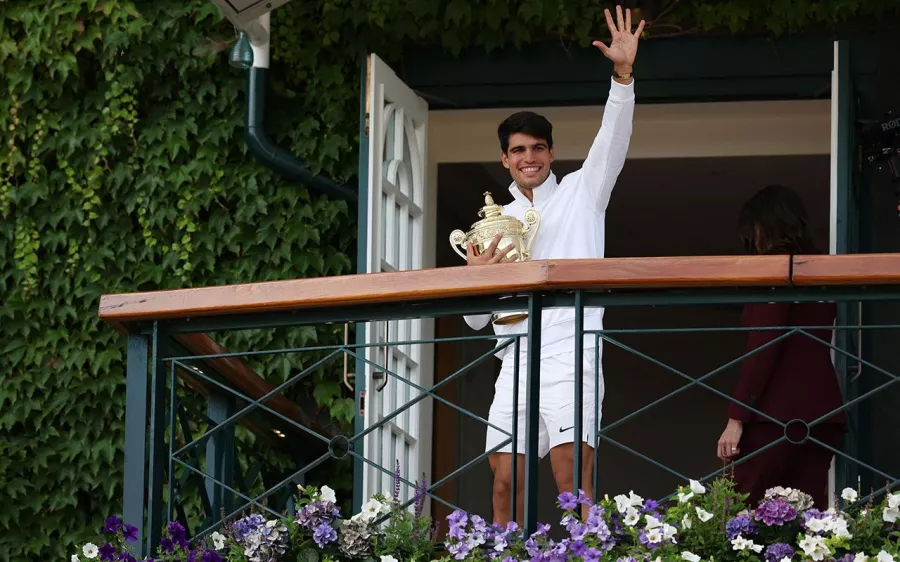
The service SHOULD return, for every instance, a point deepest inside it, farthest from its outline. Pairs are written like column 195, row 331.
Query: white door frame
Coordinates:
column 399, row 234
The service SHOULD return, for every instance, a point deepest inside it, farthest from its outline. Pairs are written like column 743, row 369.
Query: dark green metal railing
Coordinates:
column 159, row 471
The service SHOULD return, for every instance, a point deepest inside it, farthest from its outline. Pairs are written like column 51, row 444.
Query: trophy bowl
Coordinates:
column 514, row 232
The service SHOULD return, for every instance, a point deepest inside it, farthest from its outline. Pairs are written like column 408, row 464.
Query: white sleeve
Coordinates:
column 607, row 155
column 477, row 321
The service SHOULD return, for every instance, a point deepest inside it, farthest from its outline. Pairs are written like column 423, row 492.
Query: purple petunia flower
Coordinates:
column 112, row 524
column 108, row 552
column 324, row 535
column 166, row 545
column 592, row 555
column 778, row 552
column 210, row 556
column 740, row 525
column 542, row 530
column 577, row 530
column 568, row 501
column 130, row 533
column 459, row 550
column 178, row 535
column 127, row 557
column 458, row 521
column 577, row 548
column 775, row 512
column 650, row 506
column 583, row 499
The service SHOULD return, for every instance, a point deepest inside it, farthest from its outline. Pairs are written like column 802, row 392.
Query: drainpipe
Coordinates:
column 258, row 141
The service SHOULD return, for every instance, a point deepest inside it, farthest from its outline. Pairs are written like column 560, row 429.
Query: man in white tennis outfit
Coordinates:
column 572, row 226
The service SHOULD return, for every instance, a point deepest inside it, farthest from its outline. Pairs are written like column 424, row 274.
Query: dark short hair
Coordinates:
column 776, row 216
column 526, row 122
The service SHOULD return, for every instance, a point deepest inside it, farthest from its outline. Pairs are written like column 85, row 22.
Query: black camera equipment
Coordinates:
column 880, row 144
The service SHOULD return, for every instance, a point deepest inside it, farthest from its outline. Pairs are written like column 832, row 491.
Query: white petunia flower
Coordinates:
column 656, row 536
column 388, row 558
column 893, row 501
column 636, row 500
column 885, row 557
column 697, row 487
column 740, row 543
column 327, row 494
column 632, row 517
column 703, row 515
column 860, row 557
column 849, row 495
column 652, row 522
column 75, row 558
column 890, row 514
column 686, row 521
column 817, row 525
column 839, row 528
column 690, row 556
column 372, row 509
column 218, row 540
column 622, row 503
column 683, row 498
column 90, row 550
column 669, row 532
column 814, row 547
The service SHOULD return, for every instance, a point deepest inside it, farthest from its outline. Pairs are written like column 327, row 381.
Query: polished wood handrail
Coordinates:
column 847, row 269
column 462, row 281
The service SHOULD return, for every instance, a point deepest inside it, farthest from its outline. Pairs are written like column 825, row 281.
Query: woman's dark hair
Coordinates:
column 774, row 221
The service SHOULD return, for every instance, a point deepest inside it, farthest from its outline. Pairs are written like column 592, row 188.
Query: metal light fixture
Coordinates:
column 241, row 55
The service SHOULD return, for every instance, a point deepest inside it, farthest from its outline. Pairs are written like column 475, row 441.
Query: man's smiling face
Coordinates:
column 528, row 160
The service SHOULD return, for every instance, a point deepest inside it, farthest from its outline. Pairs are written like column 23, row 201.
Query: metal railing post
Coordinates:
column 137, row 371
column 158, row 451
column 532, row 396
column 579, row 382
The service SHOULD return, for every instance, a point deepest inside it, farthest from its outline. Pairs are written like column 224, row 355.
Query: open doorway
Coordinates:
column 660, row 207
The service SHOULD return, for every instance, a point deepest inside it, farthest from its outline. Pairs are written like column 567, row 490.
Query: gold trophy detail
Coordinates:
column 516, row 233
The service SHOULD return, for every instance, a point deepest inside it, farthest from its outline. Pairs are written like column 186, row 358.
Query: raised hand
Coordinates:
column 623, row 47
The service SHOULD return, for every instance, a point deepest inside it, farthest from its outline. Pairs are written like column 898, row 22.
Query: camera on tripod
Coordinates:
column 880, row 143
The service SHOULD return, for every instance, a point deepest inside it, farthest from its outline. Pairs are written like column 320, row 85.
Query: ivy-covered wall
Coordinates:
column 123, row 168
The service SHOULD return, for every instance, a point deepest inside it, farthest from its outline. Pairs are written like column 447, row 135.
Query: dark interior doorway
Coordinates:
column 660, row 207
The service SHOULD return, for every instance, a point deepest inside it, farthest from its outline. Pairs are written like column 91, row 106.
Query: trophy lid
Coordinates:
column 490, row 208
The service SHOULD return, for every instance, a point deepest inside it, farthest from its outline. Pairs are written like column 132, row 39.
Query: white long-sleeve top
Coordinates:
column 573, row 222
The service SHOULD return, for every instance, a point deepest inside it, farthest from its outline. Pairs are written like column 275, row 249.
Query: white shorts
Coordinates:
column 556, row 403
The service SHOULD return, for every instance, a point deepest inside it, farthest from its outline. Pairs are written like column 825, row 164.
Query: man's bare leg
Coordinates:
column 501, row 465
column 562, row 458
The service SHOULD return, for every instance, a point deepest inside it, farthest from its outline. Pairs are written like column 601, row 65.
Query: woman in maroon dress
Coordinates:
column 792, row 379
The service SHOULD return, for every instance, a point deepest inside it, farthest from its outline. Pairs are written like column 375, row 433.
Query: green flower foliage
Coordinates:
column 123, row 168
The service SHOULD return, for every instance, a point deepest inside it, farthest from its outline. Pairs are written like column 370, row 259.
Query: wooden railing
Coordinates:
column 547, row 275
column 185, row 314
